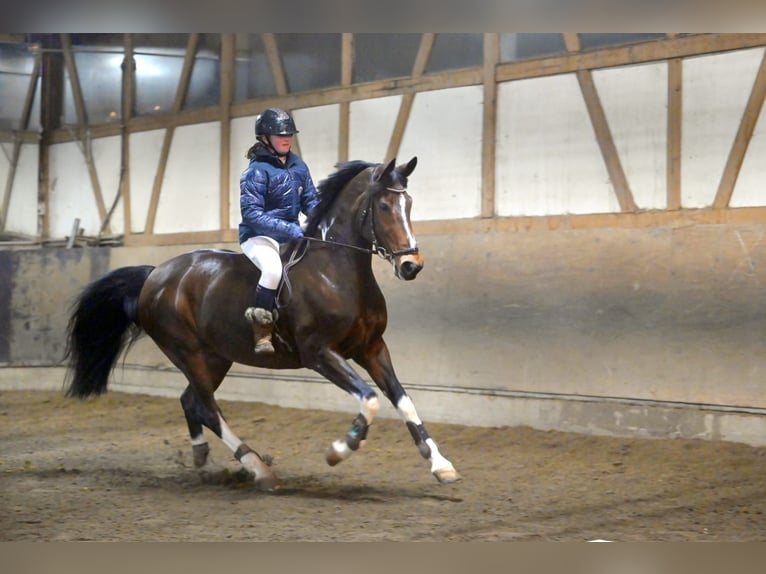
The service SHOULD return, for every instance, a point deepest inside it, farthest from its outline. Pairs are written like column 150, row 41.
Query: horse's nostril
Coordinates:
column 410, row 269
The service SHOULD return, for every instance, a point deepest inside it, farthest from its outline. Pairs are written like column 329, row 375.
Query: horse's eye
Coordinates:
column 384, row 206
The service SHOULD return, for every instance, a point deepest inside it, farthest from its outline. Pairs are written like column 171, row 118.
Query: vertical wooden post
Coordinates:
column 489, row 124
column 51, row 109
column 227, row 97
column 346, row 77
column 675, row 116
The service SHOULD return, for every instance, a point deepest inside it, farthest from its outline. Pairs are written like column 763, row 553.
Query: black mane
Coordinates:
column 328, row 189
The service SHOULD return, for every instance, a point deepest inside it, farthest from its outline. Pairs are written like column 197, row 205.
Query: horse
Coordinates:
column 330, row 310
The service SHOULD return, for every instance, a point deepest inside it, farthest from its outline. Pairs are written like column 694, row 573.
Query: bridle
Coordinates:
column 366, row 218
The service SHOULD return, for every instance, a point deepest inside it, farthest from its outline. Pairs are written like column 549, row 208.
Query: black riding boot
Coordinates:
column 262, row 318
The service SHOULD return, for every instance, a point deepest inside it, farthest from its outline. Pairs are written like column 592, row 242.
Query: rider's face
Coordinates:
column 281, row 143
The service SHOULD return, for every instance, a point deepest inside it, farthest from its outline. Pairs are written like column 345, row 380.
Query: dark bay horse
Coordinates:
column 330, row 310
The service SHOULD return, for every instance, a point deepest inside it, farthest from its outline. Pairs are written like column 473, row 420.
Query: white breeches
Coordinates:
column 264, row 253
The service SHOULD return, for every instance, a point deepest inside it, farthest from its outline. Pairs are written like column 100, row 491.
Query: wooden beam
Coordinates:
column 227, row 97
column 82, row 125
column 640, row 219
column 603, row 133
column 24, row 125
column 51, row 98
column 742, row 139
column 128, row 101
column 522, row 224
column 658, row 50
column 181, row 90
column 280, row 79
column 405, row 107
column 346, row 79
column 489, row 124
column 674, row 123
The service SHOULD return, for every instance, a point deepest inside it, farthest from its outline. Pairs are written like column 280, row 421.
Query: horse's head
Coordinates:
column 387, row 218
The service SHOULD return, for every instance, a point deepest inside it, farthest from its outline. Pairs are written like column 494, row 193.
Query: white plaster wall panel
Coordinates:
column 715, row 91
column 242, row 137
column 750, row 188
column 22, row 209
column 548, row 159
column 106, row 157
column 190, row 198
column 318, row 138
column 71, row 193
column 634, row 99
column 444, row 132
column 371, row 125
column 145, row 148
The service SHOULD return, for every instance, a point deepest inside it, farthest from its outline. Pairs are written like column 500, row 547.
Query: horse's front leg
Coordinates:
column 377, row 362
column 336, row 369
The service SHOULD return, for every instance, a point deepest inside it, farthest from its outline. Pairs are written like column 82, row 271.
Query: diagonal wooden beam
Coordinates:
column 181, row 91
column 82, row 124
column 603, row 133
column 24, row 125
column 278, row 74
column 405, row 107
column 742, row 139
column 346, row 78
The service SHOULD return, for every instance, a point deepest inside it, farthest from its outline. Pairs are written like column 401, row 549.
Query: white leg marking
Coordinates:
column 341, row 449
column 370, row 408
column 250, row 461
column 198, row 440
column 407, row 411
column 438, row 462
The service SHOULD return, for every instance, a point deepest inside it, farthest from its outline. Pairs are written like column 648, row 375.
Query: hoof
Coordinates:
column 200, row 453
column 447, row 475
column 268, row 483
column 332, row 457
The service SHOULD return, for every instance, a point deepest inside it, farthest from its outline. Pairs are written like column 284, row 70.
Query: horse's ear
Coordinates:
column 407, row 169
column 385, row 172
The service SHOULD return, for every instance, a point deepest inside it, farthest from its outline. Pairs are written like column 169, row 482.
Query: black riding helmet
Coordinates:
column 274, row 122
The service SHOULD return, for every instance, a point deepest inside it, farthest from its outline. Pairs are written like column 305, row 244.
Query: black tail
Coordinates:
column 98, row 329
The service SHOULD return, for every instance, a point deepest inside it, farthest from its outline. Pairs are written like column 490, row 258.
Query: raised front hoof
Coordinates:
column 447, row 475
column 332, row 457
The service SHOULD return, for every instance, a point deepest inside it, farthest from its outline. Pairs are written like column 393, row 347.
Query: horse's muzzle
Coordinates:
column 408, row 267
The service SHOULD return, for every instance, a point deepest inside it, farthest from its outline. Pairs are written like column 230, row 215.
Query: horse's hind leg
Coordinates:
column 200, row 448
column 377, row 362
column 201, row 409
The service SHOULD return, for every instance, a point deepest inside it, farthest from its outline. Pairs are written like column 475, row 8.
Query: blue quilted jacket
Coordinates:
column 272, row 195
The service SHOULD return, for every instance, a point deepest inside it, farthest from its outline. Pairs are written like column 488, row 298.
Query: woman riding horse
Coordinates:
column 331, row 311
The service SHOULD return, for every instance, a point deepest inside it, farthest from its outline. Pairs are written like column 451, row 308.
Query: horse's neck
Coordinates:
column 342, row 224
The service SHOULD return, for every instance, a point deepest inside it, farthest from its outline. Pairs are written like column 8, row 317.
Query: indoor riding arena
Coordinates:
column 585, row 341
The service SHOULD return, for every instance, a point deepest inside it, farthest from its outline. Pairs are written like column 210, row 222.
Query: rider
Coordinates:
column 274, row 189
